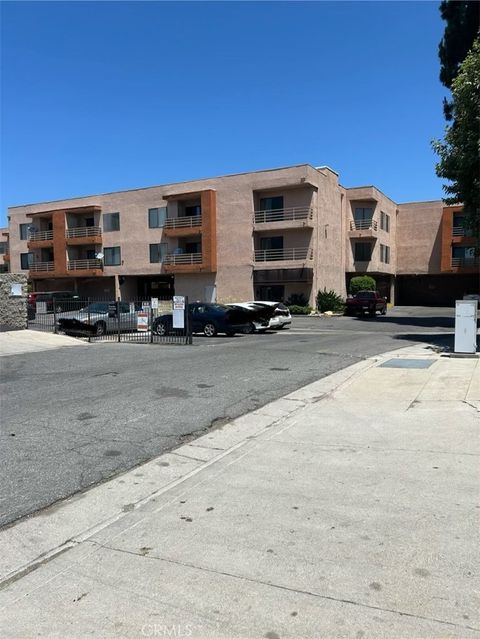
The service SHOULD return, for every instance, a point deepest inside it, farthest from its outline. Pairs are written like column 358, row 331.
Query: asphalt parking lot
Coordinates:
column 75, row 417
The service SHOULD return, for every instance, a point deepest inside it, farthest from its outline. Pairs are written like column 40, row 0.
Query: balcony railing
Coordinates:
column 82, row 265
column 363, row 225
column 84, row 231
column 183, row 222
column 283, row 215
column 286, row 254
column 42, row 266
column 38, row 236
column 466, row 261
column 183, row 258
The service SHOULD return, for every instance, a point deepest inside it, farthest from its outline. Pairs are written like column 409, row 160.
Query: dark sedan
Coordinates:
column 208, row 319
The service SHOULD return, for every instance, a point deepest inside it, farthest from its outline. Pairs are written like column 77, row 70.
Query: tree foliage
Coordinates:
column 460, row 150
column 362, row 283
column 461, row 29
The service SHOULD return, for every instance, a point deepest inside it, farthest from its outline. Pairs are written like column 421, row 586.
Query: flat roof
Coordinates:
column 156, row 186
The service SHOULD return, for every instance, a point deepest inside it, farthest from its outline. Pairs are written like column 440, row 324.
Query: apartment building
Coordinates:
column 264, row 235
column 4, row 251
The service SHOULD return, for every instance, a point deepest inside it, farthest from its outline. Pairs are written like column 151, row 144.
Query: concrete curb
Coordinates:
column 28, row 543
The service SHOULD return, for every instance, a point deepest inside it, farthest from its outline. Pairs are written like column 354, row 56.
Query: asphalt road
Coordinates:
column 74, row 417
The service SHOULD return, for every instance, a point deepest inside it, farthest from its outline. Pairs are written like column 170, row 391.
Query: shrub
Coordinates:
column 329, row 301
column 297, row 299
column 362, row 283
column 296, row 309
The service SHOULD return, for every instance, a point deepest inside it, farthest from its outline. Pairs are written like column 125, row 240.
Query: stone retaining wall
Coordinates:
column 13, row 306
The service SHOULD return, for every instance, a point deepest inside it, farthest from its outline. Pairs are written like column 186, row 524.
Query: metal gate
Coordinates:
column 139, row 321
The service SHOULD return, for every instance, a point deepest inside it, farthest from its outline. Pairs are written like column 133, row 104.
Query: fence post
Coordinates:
column 187, row 323
column 88, row 320
column 54, row 316
column 151, row 323
column 118, row 318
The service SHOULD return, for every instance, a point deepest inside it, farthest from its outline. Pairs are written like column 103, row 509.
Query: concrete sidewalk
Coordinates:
column 27, row 341
column 346, row 509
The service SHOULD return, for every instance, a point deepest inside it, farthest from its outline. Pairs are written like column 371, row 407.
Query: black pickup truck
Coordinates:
column 366, row 302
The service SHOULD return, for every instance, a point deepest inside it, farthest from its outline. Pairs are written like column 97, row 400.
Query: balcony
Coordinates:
column 293, row 217
column 83, row 231
column 84, row 265
column 182, row 226
column 282, row 258
column 182, row 258
column 40, row 236
column 363, row 229
column 43, row 267
column 83, row 235
column 465, row 262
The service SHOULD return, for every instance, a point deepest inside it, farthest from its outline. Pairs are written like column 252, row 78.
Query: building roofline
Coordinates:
column 427, row 202
column 157, row 186
column 370, row 186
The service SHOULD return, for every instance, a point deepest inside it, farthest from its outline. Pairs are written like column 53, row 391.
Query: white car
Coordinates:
column 259, row 316
column 281, row 315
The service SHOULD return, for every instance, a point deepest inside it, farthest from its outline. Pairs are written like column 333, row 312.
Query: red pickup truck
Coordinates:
column 366, row 302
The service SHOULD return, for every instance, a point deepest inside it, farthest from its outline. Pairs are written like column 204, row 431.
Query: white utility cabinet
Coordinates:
column 466, row 326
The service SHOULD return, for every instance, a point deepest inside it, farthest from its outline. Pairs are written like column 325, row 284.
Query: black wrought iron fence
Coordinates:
column 95, row 319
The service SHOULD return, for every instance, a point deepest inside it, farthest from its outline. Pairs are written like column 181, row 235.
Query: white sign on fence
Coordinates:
column 178, row 311
column 154, row 302
column 142, row 321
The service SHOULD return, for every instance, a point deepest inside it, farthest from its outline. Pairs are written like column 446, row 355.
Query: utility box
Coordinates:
column 466, row 326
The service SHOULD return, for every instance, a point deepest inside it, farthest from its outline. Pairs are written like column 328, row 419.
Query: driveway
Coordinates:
column 74, row 417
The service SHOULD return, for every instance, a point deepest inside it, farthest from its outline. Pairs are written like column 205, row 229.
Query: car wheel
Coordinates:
column 58, row 309
column 250, row 329
column 280, row 327
column 384, row 310
column 160, row 328
column 209, row 330
column 100, row 329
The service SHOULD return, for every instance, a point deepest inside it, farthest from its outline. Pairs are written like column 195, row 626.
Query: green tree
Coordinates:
column 460, row 150
column 362, row 283
column 461, row 29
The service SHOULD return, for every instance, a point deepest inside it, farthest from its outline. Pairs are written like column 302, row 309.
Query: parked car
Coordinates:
column 64, row 300
column 208, row 319
column 280, row 318
column 99, row 318
column 259, row 316
column 366, row 302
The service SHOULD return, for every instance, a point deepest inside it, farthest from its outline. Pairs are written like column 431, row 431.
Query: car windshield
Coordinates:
column 369, row 295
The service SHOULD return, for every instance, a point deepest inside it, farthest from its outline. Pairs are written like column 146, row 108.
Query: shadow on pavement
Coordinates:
column 438, row 340
column 426, row 322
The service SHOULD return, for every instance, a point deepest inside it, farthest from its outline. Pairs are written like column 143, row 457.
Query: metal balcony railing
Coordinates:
column 286, row 254
column 183, row 258
column 466, row 261
column 38, row 236
column 83, row 231
column 283, row 215
column 363, row 225
column 183, row 222
column 42, row 266
column 81, row 265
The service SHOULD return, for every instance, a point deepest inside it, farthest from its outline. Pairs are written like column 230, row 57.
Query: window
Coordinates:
column 3, row 248
column 385, row 222
column 269, row 243
column 112, row 256
column 363, row 251
column 24, row 231
column 111, row 222
column 192, row 211
column 26, row 260
column 384, row 254
column 157, row 252
column 271, row 203
column 363, row 215
column 157, row 217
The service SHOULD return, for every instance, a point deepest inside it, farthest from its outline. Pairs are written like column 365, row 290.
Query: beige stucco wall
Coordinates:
column 419, row 237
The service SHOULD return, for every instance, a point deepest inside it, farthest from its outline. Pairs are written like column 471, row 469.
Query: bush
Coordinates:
column 296, row 309
column 329, row 301
column 297, row 299
column 362, row 283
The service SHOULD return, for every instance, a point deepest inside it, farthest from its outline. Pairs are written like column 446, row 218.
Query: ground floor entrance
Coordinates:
column 435, row 290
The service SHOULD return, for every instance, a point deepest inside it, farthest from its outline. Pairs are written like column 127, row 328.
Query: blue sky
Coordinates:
column 105, row 96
